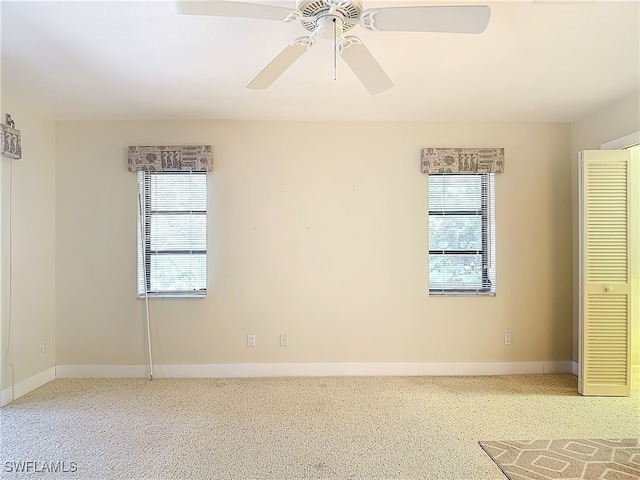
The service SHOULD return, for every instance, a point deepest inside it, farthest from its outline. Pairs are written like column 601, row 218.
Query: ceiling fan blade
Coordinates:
column 280, row 63
column 362, row 63
column 446, row 19
column 220, row 8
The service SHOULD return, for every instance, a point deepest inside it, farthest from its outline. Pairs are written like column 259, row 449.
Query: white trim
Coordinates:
column 245, row 370
column 102, row 371
column 622, row 142
column 27, row 385
column 574, row 368
column 558, row 367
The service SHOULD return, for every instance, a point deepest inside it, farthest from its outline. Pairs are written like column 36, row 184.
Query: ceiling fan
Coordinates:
column 331, row 19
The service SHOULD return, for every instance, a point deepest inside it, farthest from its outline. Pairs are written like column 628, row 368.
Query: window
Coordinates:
column 461, row 234
column 172, row 234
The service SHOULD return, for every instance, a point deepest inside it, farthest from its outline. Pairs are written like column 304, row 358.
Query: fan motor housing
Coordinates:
column 314, row 8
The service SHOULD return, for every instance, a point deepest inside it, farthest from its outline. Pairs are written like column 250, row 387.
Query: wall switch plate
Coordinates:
column 284, row 340
column 251, row 340
column 507, row 339
column 43, row 346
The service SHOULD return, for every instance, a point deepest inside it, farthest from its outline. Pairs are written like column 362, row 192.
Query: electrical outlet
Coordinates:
column 251, row 340
column 43, row 346
column 507, row 339
column 284, row 340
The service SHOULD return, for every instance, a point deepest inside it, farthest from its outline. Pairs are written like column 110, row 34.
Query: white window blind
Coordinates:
column 461, row 234
column 172, row 236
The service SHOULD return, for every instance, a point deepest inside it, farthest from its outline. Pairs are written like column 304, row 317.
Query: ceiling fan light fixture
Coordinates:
column 329, row 26
column 349, row 11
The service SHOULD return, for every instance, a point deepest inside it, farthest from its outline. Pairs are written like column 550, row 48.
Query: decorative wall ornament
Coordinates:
column 10, row 142
column 174, row 158
column 462, row 160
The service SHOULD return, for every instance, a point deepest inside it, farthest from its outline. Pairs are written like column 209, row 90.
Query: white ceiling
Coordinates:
column 544, row 60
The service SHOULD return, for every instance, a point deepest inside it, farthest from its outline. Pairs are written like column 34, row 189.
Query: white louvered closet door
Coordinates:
column 605, row 294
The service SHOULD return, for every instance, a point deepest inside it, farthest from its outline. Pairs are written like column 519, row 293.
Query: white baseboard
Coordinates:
column 574, row 368
column 244, row 370
column 102, row 371
column 27, row 385
column 558, row 367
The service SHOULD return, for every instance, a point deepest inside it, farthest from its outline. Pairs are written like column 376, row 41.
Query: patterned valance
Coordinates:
column 10, row 142
column 175, row 158
column 462, row 160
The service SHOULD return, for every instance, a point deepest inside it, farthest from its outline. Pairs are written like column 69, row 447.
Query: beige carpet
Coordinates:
column 615, row 459
column 409, row 428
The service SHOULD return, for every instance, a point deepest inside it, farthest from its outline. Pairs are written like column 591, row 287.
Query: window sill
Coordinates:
column 173, row 296
column 460, row 293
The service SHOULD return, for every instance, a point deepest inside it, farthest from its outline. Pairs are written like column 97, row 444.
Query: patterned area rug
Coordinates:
column 567, row 459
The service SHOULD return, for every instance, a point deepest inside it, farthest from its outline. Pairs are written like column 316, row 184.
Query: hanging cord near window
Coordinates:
column 335, row 51
column 146, row 280
column 7, row 352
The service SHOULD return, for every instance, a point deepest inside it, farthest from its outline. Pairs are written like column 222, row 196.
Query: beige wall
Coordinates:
column 615, row 121
column 28, row 258
column 323, row 240
column 317, row 230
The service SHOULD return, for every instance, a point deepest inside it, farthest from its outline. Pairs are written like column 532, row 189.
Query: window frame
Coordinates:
column 485, row 213
column 146, row 221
